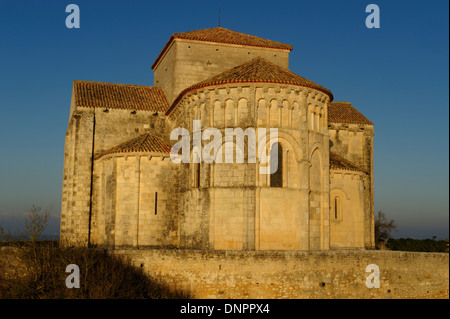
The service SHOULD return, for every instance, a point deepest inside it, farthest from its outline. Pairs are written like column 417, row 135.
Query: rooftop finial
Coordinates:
column 219, row 17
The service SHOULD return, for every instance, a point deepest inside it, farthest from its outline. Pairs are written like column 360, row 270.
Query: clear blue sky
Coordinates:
column 397, row 76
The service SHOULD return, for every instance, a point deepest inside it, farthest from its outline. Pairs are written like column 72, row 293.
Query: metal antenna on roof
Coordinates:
column 219, row 17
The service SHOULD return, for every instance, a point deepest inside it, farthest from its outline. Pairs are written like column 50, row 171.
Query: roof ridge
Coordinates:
column 223, row 35
column 118, row 84
column 260, row 60
column 280, row 45
column 256, row 70
column 142, row 140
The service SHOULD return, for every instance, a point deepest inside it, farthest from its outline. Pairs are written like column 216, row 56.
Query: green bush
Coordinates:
column 420, row 245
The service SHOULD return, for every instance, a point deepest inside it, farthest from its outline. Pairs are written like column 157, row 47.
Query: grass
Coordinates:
column 36, row 270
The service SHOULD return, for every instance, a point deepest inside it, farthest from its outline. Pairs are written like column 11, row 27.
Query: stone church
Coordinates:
column 122, row 190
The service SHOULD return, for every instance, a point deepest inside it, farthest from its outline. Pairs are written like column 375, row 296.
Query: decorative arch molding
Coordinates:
column 261, row 112
column 337, row 198
column 289, row 155
column 340, row 192
column 230, row 112
column 274, row 103
column 313, row 148
column 321, row 180
column 218, row 113
column 243, row 111
column 285, row 139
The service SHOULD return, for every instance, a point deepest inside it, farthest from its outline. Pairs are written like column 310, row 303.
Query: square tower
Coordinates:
column 191, row 57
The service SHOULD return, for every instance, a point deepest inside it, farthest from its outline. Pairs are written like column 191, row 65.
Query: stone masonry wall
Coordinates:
column 347, row 193
column 289, row 274
column 355, row 143
column 187, row 62
column 77, row 178
column 241, row 210
column 111, row 128
column 140, row 188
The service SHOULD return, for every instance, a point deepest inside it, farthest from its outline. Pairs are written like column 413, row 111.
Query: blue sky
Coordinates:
column 397, row 76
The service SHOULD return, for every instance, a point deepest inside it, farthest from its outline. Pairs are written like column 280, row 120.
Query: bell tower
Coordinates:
column 191, row 57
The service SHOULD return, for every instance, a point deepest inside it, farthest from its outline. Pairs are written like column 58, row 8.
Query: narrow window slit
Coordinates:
column 336, row 208
column 156, row 203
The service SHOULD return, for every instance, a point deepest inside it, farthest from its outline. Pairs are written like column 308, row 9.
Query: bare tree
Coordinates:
column 36, row 222
column 5, row 235
column 383, row 227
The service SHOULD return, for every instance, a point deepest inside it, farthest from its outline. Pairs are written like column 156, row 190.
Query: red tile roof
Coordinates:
column 257, row 70
column 338, row 162
column 344, row 112
column 120, row 96
column 146, row 143
column 222, row 35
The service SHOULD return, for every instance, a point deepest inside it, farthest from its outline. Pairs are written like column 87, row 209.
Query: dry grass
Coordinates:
column 37, row 271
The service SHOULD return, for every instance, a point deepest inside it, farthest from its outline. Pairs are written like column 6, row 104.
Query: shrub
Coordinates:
column 102, row 276
column 420, row 245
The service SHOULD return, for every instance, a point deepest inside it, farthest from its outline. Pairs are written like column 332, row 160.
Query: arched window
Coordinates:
column 276, row 163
